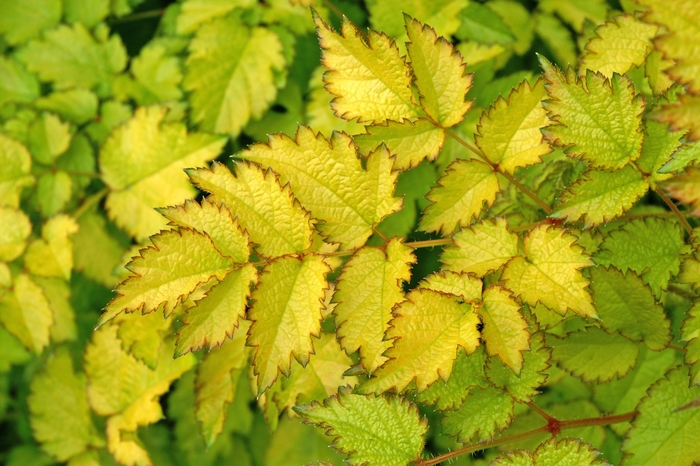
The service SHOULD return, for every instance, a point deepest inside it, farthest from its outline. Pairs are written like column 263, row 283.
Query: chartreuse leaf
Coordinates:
column 49, row 137
column 156, row 77
column 230, row 74
column 268, row 212
column 87, row 13
column 428, row 330
column 461, row 194
column 13, row 236
column 16, row 83
column 601, row 196
column 586, row 354
column 439, row 74
column 286, row 314
column 443, row 15
column 686, row 155
column 96, row 253
column 659, row 144
column 565, row 452
column 596, row 119
column 60, row 415
column 368, row 288
column 53, row 191
column 676, row 440
column 485, row 412
column 356, row 199
column 505, row 329
column 626, row 304
column 384, row 430
column 320, row 116
column 216, row 316
column 15, row 164
column 410, row 141
column 142, row 335
column 550, row 272
column 194, row 13
column 167, row 273
column 463, row 285
column 509, row 133
column 690, row 333
column 216, row 221
column 651, row 247
column 57, row 292
column 370, row 80
column 52, row 255
column 142, row 161
column 20, row 21
column 26, row 314
column 481, row 24
column 76, row 105
column 217, row 378
column 619, row 44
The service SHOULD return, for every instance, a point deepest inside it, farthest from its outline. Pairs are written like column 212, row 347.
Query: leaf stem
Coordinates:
column 89, row 202
column 138, row 16
column 380, row 234
column 540, row 411
column 428, row 243
column 334, row 9
column 675, row 210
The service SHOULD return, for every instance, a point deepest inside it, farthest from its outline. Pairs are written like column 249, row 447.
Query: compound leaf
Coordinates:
column 25, row 312
column 485, row 412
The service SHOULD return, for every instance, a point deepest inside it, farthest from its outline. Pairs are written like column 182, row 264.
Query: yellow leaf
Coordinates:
column 319, row 114
column 465, row 285
column 52, row 256
column 15, row 165
column 57, row 292
column 96, row 252
column 16, row 228
column 286, row 313
column 551, row 272
column 328, row 179
column 142, row 335
column 428, row 330
column 370, row 80
column 368, row 288
column 25, row 313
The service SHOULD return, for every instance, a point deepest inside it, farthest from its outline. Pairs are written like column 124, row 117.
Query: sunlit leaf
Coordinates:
column 26, row 314
column 52, row 255
column 13, row 236
column 463, row 285
column 485, row 412
column 565, row 452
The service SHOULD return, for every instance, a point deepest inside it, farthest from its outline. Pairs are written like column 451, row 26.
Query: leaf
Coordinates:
column 651, row 247
column 356, row 200
column 505, row 329
column 410, row 141
column 439, row 74
column 16, row 83
column 618, row 45
column 15, row 165
column 96, row 253
column 156, row 77
column 218, row 314
column 298, row 443
column 25, row 313
column 481, row 24
column 60, row 415
column 368, row 288
column 25, row 20
column 369, row 79
column 52, row 255
column 49, row 137
column 460, row 196
column 141, row 163
column 463, row 285
column 564, row 452
column 194, row 13
column 58, row 294
column 286, row 314
column 690, row 333
column 167, row 273
column 550, row 272
column 601, row 196
column 681, row 115
column 76, row 105
column 230, row 74
column 686, row 155
column 440, row 14
column 142, row 335
column 659, row 144
column 13, row 236
column 217, row 378
column 626, row 304
column 87, row 13
column 428, row 329
column 596, row 119
column 674, row 441
column 481, row 248
column 268, row 212
column 53, row 192
column 586, row 354
column 371, row 430
column 509, row 133
column 320, row 116
column 484, row 412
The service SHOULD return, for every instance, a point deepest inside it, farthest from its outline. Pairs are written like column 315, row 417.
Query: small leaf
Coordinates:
column 690, row 333
column 564, row 452
column 26, row 314
column 13, row 236
column 156, row 77
column 485, row 412
column 89, row 14
column 75, row 105
column 52, row 255
column 681, row 115
column 463, row 285
column 15, row 165
column 659, row 144
column 386, row 431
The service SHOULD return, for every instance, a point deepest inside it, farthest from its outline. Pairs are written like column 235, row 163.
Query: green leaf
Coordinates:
column 625, row 304
column 686, row 155
column 481, row 248
column 485, row 412
column 52, row 255
column 428, row 329
column 461, row 194
column 690, row 333
column 286, row 314
column 439, row 74
column 601, row 196
column 77, row 105
column 194, row 13
column 481, row 24
column 167, row 273
column 576, row 12
column 156, row 77
column 586, row 354
column 230, row 74
column 463, row 285
column 385, row 15
column 13, row 236
column 595, row 119
column 676, row 440
column 268, row 212
column 369, row 79
column 49, row 137
column 142, row 161
column 550, row 272
column 358, row 198
column 368, row 288
column 142, row 335
column 556, row 37
column 96, row 253
column 88, row 13
column 383, row 430
column 564, row 452
column 659, row 144
column 53, row 191
column 509, row 133
column 57, row 293
column 16, row 84
column 60, row 415
column 25, row 313
column 24, row 20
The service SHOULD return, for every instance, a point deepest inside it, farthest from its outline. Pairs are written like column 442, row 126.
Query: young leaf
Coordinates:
column 428, row 330
column 439, row 74
column 276, row 223
column 368, row 288
column 460, row 196
column 26, row 314
column 13, row 237
column 22, row 21
column 485, row 412
column 463, row 285
column 509, row 133
column 286, row 314
column 596, row 119
column 551, row 272
column 52, row 255
column 358, row 198
column 167, row 273
column 565, row 452
column 369, row 79
column 481, row 248
column 690, row 333
column 15, row 165
column 383, row 430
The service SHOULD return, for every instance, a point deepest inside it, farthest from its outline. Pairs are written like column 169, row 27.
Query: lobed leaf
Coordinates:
column 484, row 413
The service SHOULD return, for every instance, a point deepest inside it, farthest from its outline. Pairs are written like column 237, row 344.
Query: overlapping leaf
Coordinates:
column 681, row 115
column 13, row 236
column 443, row 15
column 52, row 255
column 565, row 452
column 485, row 412
column 462, row 285
column 16, row 84
column 15, row 164
column 26, row 314
column 25, row 20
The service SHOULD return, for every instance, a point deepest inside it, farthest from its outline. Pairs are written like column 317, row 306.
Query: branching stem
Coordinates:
column 675, row 210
